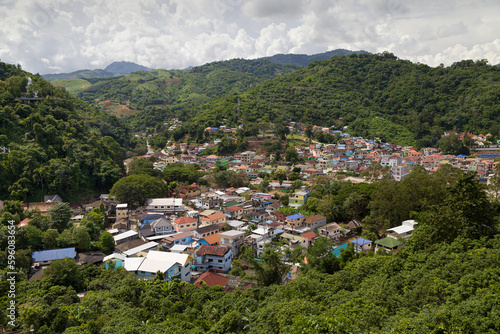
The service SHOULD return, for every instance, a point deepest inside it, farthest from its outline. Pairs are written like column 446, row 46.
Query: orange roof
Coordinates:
column 212, row 279
column 185, row 220
column 212, row 239
column 214, row 216
column 212, row 157
column 309, row 235
column 234, row 208
column 23, row 222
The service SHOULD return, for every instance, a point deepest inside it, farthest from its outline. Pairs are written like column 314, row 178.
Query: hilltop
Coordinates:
column 375, row 96
column 303, row 60
column 54, row 142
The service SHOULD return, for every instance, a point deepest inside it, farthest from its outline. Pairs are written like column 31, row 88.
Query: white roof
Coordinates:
column 152, row 266
column 133, row 263
column 125, row 235
column 114, row 256
column 231, row 233
column 113, row 231
column 261, row 230
column 163, row 201
column 157, row 237
column 121, row 206
column 401, row 229
column 141, row 248
column 168, row 256
column 178, row 248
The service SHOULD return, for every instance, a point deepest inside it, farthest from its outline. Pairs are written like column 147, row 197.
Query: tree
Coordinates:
column 272, row 269
column 81, row 238
column 50, row 238
column 291, row 154
column 60, row 214
column 106, row 243
column 134, row 189
column 452, row 144
column 64, row 272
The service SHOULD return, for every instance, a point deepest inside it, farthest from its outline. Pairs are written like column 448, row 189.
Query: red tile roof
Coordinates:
column 212, row 279
column 309, row 235
column 212, row 239
column 212, row 250
column 185, row 220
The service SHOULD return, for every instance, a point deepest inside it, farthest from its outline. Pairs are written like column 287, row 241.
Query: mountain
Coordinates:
column 375, row 95
column 54, row 143
column 303, row 60
column 81, row 74
column 125, row 67
column 176, row 89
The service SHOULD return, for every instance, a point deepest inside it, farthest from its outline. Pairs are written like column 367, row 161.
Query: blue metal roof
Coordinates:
column 53, row 254
column 360, row 241
column 296, row 216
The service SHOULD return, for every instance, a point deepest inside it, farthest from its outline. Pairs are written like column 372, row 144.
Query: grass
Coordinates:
column 73, row 86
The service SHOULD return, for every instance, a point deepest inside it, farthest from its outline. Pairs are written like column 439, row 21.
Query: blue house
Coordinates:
column 149, row 218
column 213, row 258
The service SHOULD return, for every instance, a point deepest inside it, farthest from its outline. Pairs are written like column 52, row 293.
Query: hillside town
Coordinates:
column 196, row 234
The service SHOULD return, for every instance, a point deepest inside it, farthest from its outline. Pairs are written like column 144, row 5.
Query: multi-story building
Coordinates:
column 214, row 258
column 232, row 239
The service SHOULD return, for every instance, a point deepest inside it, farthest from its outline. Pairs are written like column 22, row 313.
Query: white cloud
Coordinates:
column 67, row 35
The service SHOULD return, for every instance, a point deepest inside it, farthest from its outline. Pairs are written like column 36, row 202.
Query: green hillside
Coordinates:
column 161, row 92
column 57, row 144
column 415, row 102
column 73, row 86
column 82, row 74
column 304, row 60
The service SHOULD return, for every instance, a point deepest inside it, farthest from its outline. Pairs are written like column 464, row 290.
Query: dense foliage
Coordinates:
column 57, row 144
column 376, row 96
column 445, row 279
column 164, row 93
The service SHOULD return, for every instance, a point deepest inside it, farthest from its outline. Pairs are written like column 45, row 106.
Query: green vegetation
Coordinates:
column 73, row 86
column 58, row 144
column 414, row 103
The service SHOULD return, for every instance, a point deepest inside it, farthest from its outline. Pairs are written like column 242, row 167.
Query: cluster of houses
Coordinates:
column 354, row 154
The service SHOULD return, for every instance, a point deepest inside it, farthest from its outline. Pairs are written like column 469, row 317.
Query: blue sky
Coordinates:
column 67, row 35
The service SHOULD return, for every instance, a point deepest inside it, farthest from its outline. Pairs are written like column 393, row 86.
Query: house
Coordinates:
column 293, row 222
column 314, row 221
column 400, row 172
column 389, row 244
column 332, row 231
column 160, row 226
column 295, row 240
column 211, row 240
column 149, row 218
column 164, row 205
column 42, row 258
column 95, row 257
column 216, row 218
column 185, row 224
column 182, row 238
column 125, row 236
column 121, row 211
column 171, row 265
column 361, row 245
column 405, row 230
column 310, row 236
column 233, row 240
column 213, row 258
column 211, row 279
column 145, row 247
column 52, row 199
column 298, row 199
column 354, row 226
column 234, row 211
column 205, row 231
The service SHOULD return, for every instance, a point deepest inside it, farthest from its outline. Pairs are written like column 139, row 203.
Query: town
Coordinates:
column 195, row 234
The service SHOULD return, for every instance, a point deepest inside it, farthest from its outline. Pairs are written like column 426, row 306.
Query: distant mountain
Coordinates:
column 125, row 67
column 303, row 60
column 81, row 74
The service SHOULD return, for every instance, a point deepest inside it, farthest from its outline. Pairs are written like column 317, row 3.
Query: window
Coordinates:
column 220, row 261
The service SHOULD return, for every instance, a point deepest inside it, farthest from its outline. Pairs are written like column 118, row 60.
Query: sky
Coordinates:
column 55, row 36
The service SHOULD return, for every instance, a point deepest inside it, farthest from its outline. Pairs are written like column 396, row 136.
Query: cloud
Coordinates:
column 64, row 35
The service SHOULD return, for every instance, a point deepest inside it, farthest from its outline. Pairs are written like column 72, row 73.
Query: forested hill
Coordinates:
column 304, row 60
column 376, row 96
column 165, row 90
column 55, row 144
